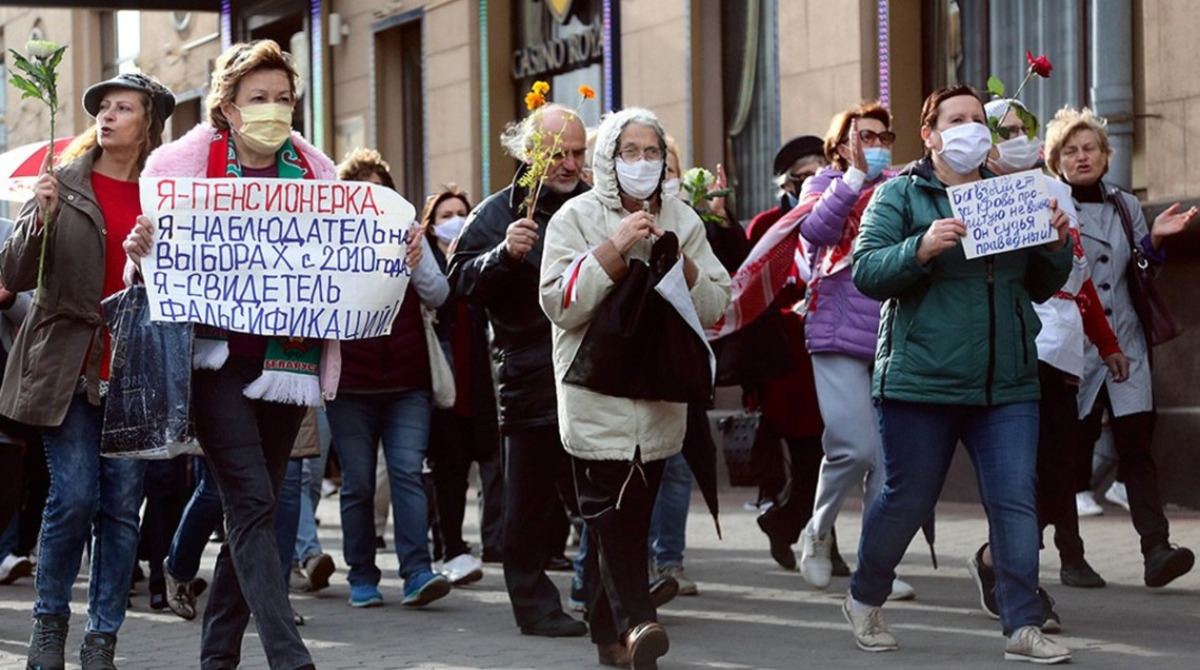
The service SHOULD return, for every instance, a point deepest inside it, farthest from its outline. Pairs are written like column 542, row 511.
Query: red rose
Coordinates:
column 1041, row 65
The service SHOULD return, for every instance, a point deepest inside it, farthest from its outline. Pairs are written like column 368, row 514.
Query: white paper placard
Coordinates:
column 1004, row 213
column 281, row 257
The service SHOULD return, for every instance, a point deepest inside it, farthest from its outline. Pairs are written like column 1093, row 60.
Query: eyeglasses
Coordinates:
column 886, row 138
column 632, row 154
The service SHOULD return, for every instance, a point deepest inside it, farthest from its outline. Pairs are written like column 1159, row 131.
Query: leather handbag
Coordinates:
column 440, row 373
column 1159, row 324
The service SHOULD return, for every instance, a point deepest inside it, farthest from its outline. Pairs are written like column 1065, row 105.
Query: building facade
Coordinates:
column 431, row 83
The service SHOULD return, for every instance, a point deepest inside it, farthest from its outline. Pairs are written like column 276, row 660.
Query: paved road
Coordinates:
column 749, row 614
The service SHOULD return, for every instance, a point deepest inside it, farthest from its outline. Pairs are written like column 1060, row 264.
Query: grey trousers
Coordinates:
column 853, row 447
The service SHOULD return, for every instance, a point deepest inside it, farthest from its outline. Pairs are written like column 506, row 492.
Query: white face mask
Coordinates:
column 447, row 230
column 640, row 179
column 965, row 147
column 1019, row 153
column 671, row 187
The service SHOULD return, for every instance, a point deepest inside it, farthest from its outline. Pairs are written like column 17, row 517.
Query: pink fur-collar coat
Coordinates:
column 188, row 157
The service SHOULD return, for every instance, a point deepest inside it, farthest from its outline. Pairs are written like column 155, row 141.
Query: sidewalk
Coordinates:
column 749, row 614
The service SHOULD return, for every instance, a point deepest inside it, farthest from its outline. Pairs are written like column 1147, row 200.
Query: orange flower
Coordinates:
column 541, row 87
column 533, row 100
column 587, row 92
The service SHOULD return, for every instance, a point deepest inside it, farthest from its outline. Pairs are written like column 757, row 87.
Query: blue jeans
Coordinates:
column 919, row 439
column 89, row 496
column 287, row 514
column 668, row 524
column 401, row 420
column 200, row 518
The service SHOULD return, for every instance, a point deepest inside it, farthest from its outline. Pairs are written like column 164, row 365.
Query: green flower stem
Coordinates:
column 1028, row 76
column 46, row 217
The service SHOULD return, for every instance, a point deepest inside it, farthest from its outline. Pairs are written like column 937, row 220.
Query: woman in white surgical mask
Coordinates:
column 840, row 330
column 956, row 360
column 619, row 445
column 1062, row 351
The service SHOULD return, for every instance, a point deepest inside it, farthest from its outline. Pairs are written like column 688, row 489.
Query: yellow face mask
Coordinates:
column 265, row 127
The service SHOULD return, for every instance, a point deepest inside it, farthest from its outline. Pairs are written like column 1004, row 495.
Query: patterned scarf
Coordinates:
column 291, row 365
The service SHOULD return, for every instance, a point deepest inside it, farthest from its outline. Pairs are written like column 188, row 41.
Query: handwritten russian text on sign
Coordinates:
column 281, row 257
column 1004, row 213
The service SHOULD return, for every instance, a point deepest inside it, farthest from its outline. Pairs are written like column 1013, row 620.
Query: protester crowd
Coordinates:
column 517, row 346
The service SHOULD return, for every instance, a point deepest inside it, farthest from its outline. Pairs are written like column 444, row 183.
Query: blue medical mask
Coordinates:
column 878, row 158
column 791, row 199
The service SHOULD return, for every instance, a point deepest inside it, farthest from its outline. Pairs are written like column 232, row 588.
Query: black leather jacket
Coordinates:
column 482, row 272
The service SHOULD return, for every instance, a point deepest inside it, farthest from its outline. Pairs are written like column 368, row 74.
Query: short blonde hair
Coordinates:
column 1068, row 121
column 238, row 61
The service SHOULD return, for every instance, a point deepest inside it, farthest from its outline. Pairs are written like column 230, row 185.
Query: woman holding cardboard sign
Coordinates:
column 57, row 375
column 246, row 407
column 1110, row 221
column 955, row 360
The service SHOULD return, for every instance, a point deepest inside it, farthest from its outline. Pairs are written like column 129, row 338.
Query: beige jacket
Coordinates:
column 596, row 426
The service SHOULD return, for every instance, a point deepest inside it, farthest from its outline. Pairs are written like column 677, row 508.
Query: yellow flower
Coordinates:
column 533, row 100
column 541, row 87
column 587, row 92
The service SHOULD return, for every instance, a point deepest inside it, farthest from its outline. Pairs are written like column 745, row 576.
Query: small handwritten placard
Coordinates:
column 282, row 257
column 1003, row 213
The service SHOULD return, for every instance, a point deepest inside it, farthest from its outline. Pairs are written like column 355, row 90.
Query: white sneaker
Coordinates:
column 870, row 631
column 463, row 569
column 901, row 590
column 686, row 586
column 1117, row 495
column 13, row 568
column 1029, row 644
column 1086, row 505
column 815, row 564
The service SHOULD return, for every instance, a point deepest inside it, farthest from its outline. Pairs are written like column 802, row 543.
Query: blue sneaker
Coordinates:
column 365, row 595
column 424, row 588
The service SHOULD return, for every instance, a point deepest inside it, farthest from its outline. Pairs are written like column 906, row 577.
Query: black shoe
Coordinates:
column 1080, row 575
column 47, row 645
column 380, row 543
column 560, row 563
column 1051, row 623
column 840, row 568
column 97, row 651
column 663, row 590
column 985, row 581
column 1164, row 563
column 559, row 624
column 781, row 548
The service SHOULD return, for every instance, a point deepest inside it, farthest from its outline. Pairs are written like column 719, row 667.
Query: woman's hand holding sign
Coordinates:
column 942, row 234
column 1061, row 223
column 139, row 241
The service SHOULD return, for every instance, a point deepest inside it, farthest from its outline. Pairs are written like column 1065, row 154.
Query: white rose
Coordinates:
column 40, row 49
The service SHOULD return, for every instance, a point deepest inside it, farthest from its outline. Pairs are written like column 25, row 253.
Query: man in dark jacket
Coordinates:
column 496, row 264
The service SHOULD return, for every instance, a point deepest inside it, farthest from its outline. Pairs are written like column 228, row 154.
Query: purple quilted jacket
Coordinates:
column 840, row 320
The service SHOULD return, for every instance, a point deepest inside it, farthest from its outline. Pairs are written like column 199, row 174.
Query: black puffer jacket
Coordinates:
column 482, row 272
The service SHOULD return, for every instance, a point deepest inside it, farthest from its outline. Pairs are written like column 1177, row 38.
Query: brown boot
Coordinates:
column 645, row 643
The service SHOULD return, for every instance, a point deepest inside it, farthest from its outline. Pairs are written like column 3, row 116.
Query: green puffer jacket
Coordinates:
column 955, row 331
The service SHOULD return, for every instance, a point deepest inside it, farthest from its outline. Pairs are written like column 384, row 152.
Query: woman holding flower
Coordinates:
column 56, row 377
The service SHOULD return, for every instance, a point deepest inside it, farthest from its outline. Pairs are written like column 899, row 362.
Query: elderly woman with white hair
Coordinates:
column 589, row 245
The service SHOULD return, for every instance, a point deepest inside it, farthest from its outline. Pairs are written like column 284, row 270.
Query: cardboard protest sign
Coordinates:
column 1003, row 213
column 280, row 257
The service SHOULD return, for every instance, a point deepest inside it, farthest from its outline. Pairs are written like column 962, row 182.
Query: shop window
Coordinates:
column 750, row 70
column 400, row 109
column 974, row 39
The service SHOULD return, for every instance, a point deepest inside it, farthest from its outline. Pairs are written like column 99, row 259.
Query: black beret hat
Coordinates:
column 163, row 101
column 797, row 148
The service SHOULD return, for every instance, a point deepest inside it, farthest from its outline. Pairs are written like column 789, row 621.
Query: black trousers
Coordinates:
column 247, row 443
column 534, row 460
column 1132, row 437
column 1058, row 450
column 616, row 499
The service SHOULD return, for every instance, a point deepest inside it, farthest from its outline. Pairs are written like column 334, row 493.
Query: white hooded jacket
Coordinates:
column 594, row 426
